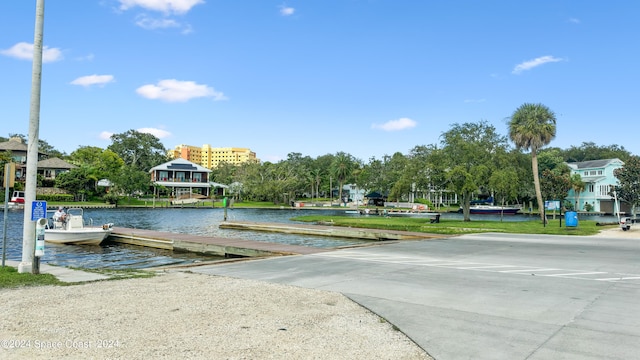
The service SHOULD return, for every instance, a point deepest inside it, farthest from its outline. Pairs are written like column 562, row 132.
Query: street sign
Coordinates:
column 38, row 210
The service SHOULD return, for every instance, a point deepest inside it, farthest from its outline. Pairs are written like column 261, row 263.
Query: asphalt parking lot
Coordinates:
column 485, row 296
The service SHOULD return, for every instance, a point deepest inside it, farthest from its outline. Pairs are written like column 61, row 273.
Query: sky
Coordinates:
column 366, row 77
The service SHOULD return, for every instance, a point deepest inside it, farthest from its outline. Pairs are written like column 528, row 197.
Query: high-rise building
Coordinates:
column 210, row 157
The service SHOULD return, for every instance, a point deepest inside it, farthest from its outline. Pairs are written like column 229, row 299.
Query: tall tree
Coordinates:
column 140, row 150
column 590, row 151
column 342, row 168
column 629, row 178
column 504, row 183
column 101, row 163
column 531, row 127
column 470, row 152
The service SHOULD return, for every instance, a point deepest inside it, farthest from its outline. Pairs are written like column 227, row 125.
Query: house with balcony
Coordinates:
column 599, row 182
column 182, row 178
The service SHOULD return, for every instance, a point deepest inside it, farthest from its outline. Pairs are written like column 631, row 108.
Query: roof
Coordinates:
column 180, row 164
column 374, row 195
column 55, row 163
column 14, row 144
column 592, row 164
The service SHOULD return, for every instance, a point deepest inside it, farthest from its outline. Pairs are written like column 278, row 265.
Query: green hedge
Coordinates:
column 55, row 197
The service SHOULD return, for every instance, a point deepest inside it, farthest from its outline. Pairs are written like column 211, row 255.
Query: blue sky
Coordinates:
column 368, row 77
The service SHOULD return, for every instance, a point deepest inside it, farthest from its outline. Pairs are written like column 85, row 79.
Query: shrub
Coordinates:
column 55, row 197
column 110, row 198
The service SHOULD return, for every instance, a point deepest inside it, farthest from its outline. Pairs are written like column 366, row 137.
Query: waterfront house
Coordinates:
column 50, row 168
column 18, row 150
column 599, row 182
column 181, row 178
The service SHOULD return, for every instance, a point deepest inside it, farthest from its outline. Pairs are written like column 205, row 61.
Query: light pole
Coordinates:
column 29, row 228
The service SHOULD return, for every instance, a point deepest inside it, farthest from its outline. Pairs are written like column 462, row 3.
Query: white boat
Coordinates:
column 17, row 200
column 187, row 198
column 74, row 231
column 493, row 210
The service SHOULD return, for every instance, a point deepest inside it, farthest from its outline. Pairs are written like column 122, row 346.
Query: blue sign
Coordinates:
column 38, row 210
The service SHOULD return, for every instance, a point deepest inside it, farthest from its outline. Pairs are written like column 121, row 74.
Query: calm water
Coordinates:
column 190, row 221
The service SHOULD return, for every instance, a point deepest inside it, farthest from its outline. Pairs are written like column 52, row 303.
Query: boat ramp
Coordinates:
column 232, row 247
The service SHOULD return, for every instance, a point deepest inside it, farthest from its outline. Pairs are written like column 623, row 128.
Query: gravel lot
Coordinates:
column 191, row 316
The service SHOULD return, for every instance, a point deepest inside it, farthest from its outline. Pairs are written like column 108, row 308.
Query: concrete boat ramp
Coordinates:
column 231, row 247
column 329, row 230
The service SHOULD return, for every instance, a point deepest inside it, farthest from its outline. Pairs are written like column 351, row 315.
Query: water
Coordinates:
column 203, row 222
column 199, row 221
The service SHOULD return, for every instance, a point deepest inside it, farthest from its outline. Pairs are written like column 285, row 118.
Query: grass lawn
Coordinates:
column 10, row 278
column 453, row 227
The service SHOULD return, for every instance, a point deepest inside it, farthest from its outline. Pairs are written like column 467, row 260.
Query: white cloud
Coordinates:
column 172, row 90
column 24, row 51
column 89, row 57
column 530, row 64
column 149, row 23
column 574, row 20
column 159, row 133
column 286, row 10
column 164, row 6
column 105, row 135
column 396, row 125
column 89, row 80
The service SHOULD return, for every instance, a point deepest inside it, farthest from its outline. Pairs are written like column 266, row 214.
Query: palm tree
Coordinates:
column 342, row 168
column 578, row 186
column 531, row 127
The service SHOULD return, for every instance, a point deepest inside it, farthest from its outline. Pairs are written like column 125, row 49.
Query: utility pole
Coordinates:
column 29, row 229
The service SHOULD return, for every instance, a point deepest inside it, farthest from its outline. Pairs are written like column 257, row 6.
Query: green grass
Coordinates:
column 10, row 278
column 456, row 227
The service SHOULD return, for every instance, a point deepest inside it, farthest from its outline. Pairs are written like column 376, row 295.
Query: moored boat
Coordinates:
column 74, row 231
column 493, row 210
column 17, row 200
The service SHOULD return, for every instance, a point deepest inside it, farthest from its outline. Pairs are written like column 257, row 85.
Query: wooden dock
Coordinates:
column 226, row 247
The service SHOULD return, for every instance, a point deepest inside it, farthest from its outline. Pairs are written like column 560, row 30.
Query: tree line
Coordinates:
column 471, row 159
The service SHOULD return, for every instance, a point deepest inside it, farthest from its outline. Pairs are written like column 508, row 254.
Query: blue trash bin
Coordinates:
column 571, row 219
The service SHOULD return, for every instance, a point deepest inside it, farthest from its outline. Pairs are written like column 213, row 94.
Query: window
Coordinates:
column 590, row 188
column 599, row 172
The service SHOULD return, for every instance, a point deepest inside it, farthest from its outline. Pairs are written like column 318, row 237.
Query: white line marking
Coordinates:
column 527, row 270
column 486, row 267
column 579, row 273
column 619, row 278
